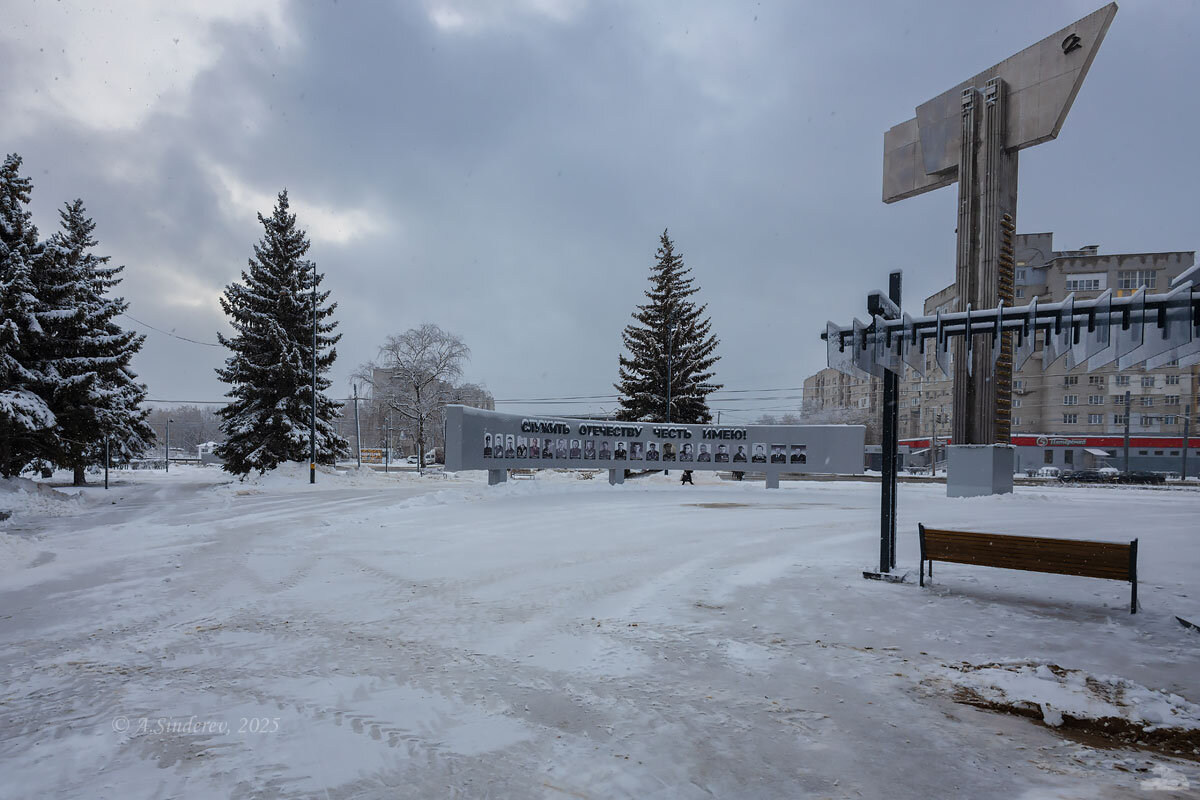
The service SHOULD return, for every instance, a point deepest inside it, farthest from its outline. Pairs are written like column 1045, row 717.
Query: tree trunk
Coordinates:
column 420, row 446
column 80, row 479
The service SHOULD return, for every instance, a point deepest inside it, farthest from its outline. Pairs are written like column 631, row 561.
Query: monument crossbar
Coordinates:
column 1082, row 329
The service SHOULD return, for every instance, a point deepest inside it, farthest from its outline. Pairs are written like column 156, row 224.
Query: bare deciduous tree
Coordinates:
column 416, row 375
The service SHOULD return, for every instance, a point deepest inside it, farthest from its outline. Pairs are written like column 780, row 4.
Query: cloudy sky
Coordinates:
column 503, row 169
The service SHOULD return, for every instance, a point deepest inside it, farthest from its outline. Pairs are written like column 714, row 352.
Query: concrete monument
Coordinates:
column 972, row 134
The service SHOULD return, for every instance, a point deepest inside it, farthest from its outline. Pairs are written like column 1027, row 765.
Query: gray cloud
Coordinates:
column 508, row 178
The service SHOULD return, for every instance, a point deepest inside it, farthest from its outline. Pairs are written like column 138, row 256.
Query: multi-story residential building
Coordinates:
column 1071, row 413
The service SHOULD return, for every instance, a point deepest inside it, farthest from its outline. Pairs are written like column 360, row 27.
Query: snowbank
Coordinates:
column 1057, row 693
column 20, row 496
column 294, row 475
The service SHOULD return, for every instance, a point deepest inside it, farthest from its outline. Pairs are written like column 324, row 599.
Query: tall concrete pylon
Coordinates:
column 972, row 134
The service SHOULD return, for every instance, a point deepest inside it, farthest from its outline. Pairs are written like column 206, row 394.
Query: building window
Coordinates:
column 1095, row 419
column 1019, row 293
column 1148, row 381
column 1129, row 280
column 1021, row 273
column 1048, row 457
column 1070, row 399
column 1018, row 385
column 1070, row 380
column 1122, row 380
column 1158, row 452
column 1070, row 419
column 1143, row 452
column 1171, row 400
column 1016, row 402
column 1069, row 457
column 1147, row 400
column 1169, row 419
column 1095, row 380
column 1095, row 399
column 1172, row 380
column 1147, row 421
column 1094, row 282
column 1119, row 419
column 1118, row 399
column 1016, row 421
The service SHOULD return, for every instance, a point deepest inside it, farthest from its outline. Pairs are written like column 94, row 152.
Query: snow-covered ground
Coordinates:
column 408, row 636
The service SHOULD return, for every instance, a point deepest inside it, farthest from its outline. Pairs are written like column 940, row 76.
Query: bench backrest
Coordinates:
column 1033, row 553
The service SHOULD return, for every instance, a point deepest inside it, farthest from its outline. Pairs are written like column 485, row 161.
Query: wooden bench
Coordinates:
column 1110, row 560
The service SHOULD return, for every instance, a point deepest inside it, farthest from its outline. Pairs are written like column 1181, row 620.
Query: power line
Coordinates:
column 169, row 333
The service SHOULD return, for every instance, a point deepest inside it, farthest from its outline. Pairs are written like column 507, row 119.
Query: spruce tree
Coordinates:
column 670, row 323
column 86, row 359
column 269, row 370
column 23, row 413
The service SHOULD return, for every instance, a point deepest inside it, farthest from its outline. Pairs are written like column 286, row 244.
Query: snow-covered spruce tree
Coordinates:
column 23, row 413
column 90, row 387
column 269, row 372
column 669, row 323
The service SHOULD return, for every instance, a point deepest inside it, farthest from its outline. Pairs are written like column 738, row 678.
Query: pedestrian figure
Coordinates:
column 686, row 478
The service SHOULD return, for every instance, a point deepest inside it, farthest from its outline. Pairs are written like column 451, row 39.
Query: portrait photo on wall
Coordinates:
column 510, row 446
column 560, row 449
column 760, row 454
column 652, row 451
column 722, row 456
column 635, row 451
column 535, row 447
column 605, row 450
column 589, row 448
column 547, row 449
column 739, row 455
column 705, row 455
column 777, row 456
column 668, row 451
column 685, row 452
column 621, row 453
column 799, row 454
column 487, row 445
column 522, row 447
column 576, row 451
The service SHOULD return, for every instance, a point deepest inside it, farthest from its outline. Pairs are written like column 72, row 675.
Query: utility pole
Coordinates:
column 387, row 443
column 167, row 460
column 357, row 429
column 670, row 358
column 1187, row 424
column 106, row 460
column 1128, row 414
column 312, row 428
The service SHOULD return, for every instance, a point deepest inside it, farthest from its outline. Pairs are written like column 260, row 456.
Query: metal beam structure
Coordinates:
column 1150, row 329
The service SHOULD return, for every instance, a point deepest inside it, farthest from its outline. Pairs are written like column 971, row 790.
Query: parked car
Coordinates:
column 1151, row 478
column 1086, row 476
column 412, row 460
column 1049, row 472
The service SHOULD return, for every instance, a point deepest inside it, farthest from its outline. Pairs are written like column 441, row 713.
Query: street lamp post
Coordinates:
column 167, row 452
column 670, row 360
column 312, row 429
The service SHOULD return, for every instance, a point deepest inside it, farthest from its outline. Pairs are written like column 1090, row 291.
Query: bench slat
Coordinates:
column 1091, row 559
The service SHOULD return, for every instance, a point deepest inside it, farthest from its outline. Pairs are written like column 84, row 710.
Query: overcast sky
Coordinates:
column 504, row 169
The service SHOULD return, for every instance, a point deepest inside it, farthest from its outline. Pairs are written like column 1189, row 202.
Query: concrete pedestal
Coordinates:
column 496, row 476
column 974, row 470
column 616, row 476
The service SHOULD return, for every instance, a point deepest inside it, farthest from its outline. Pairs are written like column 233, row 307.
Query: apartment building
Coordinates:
column 1069, row 411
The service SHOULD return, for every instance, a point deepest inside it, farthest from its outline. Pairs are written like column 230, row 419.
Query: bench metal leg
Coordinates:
column 1133, row 575
column 921, row 572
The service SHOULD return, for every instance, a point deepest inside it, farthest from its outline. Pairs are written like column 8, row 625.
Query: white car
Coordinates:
column 411, row 460
column 1049, row 472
